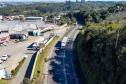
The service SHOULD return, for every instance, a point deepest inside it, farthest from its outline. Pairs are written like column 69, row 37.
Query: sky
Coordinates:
column 51, row 0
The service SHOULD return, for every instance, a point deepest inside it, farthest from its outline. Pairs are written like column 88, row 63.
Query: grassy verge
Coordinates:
column 2, row 81
column 38, row 73
column 14, row 72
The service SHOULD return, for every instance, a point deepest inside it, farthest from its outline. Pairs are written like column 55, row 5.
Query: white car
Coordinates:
column 4, row 58
column 1, row 61
column 6, row 55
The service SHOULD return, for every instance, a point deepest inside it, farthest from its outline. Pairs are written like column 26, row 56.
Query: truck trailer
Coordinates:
column 64, row 42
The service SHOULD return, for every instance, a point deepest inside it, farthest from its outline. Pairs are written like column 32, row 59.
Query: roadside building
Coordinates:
column 2, row 72
column 20, row 37
column 4, row 38
column 34, row 18
column 35, row 33
column 21, row 17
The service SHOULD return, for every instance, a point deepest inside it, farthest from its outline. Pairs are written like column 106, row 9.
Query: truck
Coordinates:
column 64, row 42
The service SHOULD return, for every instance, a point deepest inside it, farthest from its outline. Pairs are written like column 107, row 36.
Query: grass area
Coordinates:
column 14, row 72
column 39, row 68
column 2, row 81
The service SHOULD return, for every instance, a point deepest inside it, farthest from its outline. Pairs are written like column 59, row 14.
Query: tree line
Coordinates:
column 100, row 59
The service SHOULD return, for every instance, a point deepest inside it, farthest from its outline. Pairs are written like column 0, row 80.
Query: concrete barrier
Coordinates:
column 38, row 52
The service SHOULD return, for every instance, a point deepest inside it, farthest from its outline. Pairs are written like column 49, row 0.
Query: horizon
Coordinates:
column 56, row 0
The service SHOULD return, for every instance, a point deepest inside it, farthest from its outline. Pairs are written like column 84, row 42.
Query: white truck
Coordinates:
column 64, row 42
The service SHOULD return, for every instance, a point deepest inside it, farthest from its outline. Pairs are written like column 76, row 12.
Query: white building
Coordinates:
column 34, row 18
column 2, row 72
column 1, row 17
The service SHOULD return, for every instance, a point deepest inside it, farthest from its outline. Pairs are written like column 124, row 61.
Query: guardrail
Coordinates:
column 38, row 52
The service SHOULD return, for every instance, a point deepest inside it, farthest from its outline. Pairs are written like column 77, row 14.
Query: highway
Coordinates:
column 61, row 68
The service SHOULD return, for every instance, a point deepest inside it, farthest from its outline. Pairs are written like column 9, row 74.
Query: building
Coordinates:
column 82, row 1
column 76, row 1
column 34, row 18
column 4, row 38
column 2, row 73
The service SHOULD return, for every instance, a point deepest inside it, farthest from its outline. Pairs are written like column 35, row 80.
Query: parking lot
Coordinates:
column 17, row 51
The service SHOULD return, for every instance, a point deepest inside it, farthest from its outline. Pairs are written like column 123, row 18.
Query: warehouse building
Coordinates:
column 34, row 18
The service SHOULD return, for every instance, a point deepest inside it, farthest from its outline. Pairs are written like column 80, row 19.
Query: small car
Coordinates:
column 4, row 58
column 1, row 61
column 6, row 55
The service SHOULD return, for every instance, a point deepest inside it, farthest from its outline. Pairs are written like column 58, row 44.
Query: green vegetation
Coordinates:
column 15, row 72
column 2, row 81
column 101, row 48
column 38, row 9
column 42, row 58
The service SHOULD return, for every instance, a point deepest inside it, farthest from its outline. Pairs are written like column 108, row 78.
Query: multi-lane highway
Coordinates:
column 61, row 68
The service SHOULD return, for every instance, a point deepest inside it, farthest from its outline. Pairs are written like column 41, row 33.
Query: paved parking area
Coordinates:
column 17, row 52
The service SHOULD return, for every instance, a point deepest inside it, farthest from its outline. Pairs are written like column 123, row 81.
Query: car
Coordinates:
column 6, row 55
column 5, row 44
column 1, row 61
column 4, row 58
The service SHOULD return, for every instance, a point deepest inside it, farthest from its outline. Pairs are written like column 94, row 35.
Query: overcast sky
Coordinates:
column 52, row 0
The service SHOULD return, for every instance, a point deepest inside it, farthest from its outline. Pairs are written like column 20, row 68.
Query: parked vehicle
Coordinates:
column 64, row 42
column 4, row 58
column 1, row 61
column 6, row 55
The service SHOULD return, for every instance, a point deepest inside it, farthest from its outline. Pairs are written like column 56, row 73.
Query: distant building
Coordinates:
column 76, row 1
column 3, row 5
column 82, row 1
column 4, row 37
column 34, row 18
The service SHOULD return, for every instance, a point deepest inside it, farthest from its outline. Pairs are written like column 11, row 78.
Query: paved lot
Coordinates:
column 19, row 78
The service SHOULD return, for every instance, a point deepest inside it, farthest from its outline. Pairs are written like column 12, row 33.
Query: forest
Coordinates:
column 41, row 8
column 101, row 45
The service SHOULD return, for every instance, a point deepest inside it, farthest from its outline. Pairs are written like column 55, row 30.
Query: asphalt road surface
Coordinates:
column 61, row 64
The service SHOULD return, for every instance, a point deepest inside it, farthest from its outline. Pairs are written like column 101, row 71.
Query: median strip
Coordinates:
column 42, row 57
